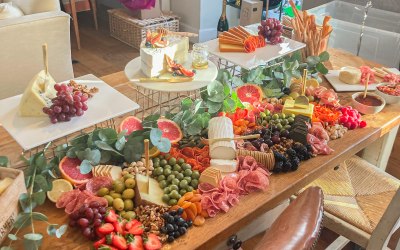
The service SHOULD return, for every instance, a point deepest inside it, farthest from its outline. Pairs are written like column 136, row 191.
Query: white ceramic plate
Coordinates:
column 31, row 132
column 202, row 77
column 339, row 86
column 259, row 57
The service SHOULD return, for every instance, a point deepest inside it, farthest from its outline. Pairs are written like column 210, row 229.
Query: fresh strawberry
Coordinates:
column 136, row 243
column 152, row 242
column 111, row 216
column 106, row 228
column 106, row 247
column 119, row 242
column 130, row 224
column 99, row 242
column 119, row 226
column 136, row 229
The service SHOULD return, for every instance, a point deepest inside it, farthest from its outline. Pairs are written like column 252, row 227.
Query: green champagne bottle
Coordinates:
column 223, row 22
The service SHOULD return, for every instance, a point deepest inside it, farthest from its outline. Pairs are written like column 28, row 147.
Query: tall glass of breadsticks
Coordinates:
column 307, row 31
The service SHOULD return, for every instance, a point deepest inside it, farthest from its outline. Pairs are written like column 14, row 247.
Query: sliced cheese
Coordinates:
column 37, row 95
column 225, row 166
column 350, row 75
column 231, row 48
column 290, row 108
column 211, row 175
column 221, row 127
column 149, row 192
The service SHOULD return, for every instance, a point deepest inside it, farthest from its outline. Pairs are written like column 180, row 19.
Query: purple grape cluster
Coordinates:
column 272, row 30
column 67, row 104
column 88, row 218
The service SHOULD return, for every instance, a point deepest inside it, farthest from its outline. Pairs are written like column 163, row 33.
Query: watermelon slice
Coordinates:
column 69, row 168
column 170, row 130
column 130, row 124
column 249, row 93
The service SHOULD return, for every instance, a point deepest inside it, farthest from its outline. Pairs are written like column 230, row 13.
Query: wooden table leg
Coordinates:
column 94, row 11
column 75, row 22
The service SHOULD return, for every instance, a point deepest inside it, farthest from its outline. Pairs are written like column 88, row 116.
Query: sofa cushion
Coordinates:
column 37, row 6
column 8, row 10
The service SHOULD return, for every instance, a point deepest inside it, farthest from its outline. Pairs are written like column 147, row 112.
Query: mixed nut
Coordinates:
column 137, row 167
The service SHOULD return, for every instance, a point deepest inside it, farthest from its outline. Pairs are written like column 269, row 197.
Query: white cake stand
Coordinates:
column 202, row 77
column 165, row 96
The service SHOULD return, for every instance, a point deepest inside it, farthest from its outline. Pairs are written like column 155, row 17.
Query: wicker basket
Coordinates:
column 132, row 31
column 265, row 158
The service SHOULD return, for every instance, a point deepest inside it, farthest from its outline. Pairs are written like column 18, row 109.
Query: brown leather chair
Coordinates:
column 299, row 225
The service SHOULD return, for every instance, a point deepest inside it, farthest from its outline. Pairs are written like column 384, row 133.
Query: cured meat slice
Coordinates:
column 94, row 184
column 67, row 197
column 318, row 146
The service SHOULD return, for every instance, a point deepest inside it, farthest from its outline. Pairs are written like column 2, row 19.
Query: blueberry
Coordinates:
column 179, row 211
column 176, row 234
column 170, row 238
column 170, row 228
column 186, row 225
column 165, row 216
column 164, row 230
column 175, row 227
column 181, row 222
column 190, row 223
column 170, row 219
column 232, row 240
column 237, row 245
column 182, row 230
column 176, row 218
column 172, row 213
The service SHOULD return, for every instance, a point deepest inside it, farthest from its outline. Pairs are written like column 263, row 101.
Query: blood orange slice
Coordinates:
column 69, row 168
column 130, row 124
column 170, row 130
column 249, row 93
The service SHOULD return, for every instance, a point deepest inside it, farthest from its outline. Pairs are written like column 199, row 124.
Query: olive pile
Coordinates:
column 175, row 177
column 276, row 121
column 193, row 140
column 121, row 196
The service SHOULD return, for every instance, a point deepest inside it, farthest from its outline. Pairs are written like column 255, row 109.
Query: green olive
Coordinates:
column 175, row 173
column 160, row 178
column 282, row 115
column 118, row 204
column 119, row 187
column 165, row 198
column 167, row 190
column 181, row 161
column 156, row 164
column 170, row 177
column 128, row 205
column 129, row 215
column 189, row 188
column 275, row 117
column 103, row 191
column 109, row 199
column 194, row 183
column 186, row 166
column 182, row 192
column 127, row 176
column 130, row 183
column 187, row 172
column 179, row 176
column 174, row 194
column 161, row 157
column 196, row 174
column 121, row 213
column 172, row 202
column 175, row 182
column 167, row 156
column 168, row 166
column 167, row 171
column 183, row 184
column 128, row 193
column 163, row 163
column 158, row 171
column 172, row 161
column 116, row 195
column 163, row 184
column 173, row 187
column 267, row 112
column 177, row 167
column 188, row 179
column 290, row 119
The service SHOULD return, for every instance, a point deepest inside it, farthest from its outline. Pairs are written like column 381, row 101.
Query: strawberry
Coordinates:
column 152, row 242
column 119, row 226
column 111, row 216
column 106, row 247
column 130, row 224
column 106, row 228
column 136, row 229
column 119, row 242
column 136, row 243
column 99, row 242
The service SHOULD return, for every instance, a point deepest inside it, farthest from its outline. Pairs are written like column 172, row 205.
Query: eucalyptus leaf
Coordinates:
column 151, row 120
column 39, row 197
column 22, row 220
column 108, row 135
column 213, row 107
column 71, row 152
column 155, row 136
column 278, row 75
column 42, row 182
column 227, row 90
column 61, row 231
column 322, row 69
column 229, row 105
column 312, row 60
column 324, row 56
column 287, row 78
column 105, row 157
column 3, row 161
column 253, row 74
column 215, row 91
column 197, row 107
column 24, row 202
column 236, row 81
column 61, row 150
column 120, row 143
column 51, row 229
column 85, row 167
column 186, row 103
column 12, row 237
column 195, row 127
column 82, row 138
column 205, row 118
column 104, row 146
column 223, row 76
column 238, row 103
column 39, row 216
column 32, row 241
column 164, row 145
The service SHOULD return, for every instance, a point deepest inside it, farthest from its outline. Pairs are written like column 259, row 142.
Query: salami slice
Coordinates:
column 94, row 184
column 66, row 198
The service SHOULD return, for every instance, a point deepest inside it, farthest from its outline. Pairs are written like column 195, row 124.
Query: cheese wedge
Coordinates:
column 148, row 192
column 231, row 48
column 211, row 175
column 37, row 95
column 350, row 75
column 290, row 108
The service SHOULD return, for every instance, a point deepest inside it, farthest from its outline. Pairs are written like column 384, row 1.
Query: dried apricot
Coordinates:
column 186, row 204
column 188, row 195
column 190, row 215
column 196, row 198
column 199, row 220
column 199, row 208
column 184, row 215
column 181, row 200
column 175, row 207
column 204, row 213
column 193, row 208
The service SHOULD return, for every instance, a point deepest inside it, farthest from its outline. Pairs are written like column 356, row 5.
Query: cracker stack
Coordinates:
column 114, row 172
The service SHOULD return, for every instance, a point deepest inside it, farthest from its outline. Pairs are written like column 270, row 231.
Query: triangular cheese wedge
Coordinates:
column 37, row 95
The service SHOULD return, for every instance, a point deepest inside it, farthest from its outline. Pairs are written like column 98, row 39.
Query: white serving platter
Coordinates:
column 339, row 86
column 31, row 132
column 259, row 57
column 201, row 79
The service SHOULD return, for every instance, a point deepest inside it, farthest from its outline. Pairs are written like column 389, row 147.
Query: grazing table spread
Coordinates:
column 281, row 187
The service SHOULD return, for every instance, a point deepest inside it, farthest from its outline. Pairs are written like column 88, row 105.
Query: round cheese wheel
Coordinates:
column 221, row 127
column 350, row 75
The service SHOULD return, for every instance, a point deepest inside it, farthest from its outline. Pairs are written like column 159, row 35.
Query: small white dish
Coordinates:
column 390, row 99
column 366, row 109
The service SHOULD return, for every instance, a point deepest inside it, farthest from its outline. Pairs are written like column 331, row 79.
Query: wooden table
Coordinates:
column 282, row 186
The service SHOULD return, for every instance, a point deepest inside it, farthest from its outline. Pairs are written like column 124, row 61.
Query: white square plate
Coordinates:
column 31, row 132
column 339, row 86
